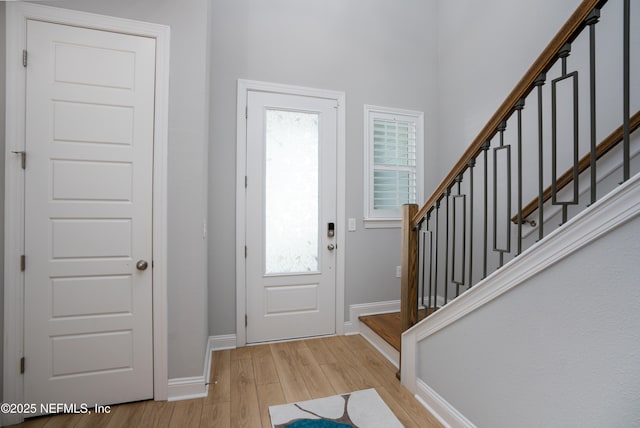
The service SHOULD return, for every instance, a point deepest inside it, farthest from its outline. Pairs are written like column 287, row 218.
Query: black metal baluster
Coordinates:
column 564, row 54
column 485, row 147
column 538, row 83
column 437, row 232
column 471, row 164
column 456, row 210
column 446, row 245
column 501, row 129
column 519, row 106
column 430, row 262
column 416, row 305
column 453, row 243
column 421, row 257
column 591, row 21
column 626, row 85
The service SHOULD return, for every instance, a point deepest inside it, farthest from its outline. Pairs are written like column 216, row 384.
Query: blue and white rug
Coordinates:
column 360, row 409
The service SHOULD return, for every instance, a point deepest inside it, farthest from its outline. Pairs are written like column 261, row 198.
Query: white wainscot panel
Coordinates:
column 92, row 123
column 100, row 295
column 91, row 353
column 89, row 238
column 91, row 181
column 292, row 298
column 96, row 66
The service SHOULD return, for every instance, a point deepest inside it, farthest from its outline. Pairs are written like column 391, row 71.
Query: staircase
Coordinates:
column 500, row 246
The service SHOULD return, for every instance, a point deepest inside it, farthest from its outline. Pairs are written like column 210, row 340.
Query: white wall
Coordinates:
column 561, row 349
column 188, row 133
column 376, row 51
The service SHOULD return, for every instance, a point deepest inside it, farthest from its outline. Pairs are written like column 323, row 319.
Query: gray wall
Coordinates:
column 188, row 134
column 374, row 51
column 561, row 349
column 484, row 48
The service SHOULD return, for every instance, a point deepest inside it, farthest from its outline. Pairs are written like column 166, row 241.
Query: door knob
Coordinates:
column 142, row 264
column 331, row 247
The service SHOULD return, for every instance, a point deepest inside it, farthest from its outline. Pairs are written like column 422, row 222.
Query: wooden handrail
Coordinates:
column 602, row 149
column 542, row 64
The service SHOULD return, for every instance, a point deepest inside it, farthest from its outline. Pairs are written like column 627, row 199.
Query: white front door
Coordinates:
column 88, row 208
column 290, row 216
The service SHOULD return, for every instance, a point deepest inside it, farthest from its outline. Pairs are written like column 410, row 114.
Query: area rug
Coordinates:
column 360, row 409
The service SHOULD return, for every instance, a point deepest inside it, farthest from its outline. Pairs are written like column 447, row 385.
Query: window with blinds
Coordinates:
column 393, row 147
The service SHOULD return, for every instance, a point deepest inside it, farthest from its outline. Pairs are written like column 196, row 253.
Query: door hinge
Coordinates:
column 23, row 158
column 246, row 112
column 245, row 320
column 245, row 251
column 246, row 180
column 22, row 365
column 24, row 57
column 23, row 263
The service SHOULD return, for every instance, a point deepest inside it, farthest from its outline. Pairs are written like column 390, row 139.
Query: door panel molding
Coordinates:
column 244, row 86
column 17, row 14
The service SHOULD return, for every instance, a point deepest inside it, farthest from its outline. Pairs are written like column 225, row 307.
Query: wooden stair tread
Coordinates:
column 387, row 326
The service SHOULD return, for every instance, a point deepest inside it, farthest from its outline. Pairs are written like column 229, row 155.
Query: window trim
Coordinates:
column 370, row 111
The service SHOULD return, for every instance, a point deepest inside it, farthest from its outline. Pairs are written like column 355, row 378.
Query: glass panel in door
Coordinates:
column 291, row 192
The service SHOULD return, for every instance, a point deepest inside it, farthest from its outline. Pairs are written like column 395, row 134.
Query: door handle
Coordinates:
column 331, row 247
column 142, row 265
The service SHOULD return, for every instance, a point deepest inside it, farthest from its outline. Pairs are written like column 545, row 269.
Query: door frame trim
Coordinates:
column 244, row 86
column 17, row 14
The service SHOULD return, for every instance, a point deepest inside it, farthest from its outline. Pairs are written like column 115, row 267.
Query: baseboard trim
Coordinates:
column 388, row 351
column 186, row 388
column 355, row 311
column 448, row 415
column 350, row 329
column 224, row 341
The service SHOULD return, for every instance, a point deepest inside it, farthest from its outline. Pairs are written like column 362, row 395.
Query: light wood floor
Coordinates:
column 246, row 381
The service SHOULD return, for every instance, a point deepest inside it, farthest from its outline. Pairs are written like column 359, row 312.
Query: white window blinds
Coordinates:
column 394, row 163
column 393, row 146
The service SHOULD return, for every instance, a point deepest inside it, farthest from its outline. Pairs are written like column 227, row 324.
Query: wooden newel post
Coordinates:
column 409, row 265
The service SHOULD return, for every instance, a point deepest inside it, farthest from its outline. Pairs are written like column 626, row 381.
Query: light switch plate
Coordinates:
column 352, row 224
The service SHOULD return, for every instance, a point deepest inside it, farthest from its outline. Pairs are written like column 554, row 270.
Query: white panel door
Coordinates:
column 88, row 207
column 291, row 216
